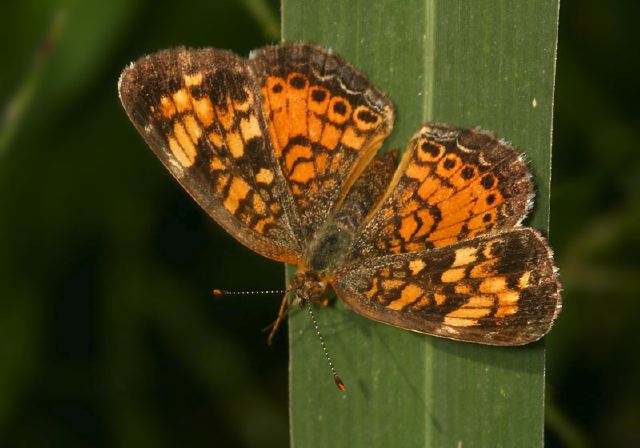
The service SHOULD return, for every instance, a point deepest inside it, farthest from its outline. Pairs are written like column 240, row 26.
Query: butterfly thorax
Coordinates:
column 328, row 248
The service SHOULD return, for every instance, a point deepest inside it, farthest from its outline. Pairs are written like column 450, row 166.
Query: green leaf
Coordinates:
column 487, row 63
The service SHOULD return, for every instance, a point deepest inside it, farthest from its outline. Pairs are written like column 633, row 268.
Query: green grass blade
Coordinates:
column 488, row 63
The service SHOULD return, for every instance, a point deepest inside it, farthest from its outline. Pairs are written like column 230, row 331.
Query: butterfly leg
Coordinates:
column 284, row 309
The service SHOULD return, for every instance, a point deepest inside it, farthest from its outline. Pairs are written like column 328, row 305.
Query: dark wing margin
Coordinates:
column 200, row 112
column 499, row 289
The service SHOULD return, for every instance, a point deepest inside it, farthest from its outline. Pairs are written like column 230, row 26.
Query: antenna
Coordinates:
column 336, row 378
column 226, row 292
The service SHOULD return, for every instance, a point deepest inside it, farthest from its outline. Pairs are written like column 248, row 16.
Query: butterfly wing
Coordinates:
column 200, row 112
column 326, row 122
column 499, row 289
column 452, row 184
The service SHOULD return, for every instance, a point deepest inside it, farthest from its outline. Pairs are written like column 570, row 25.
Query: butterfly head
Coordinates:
column 309, row 286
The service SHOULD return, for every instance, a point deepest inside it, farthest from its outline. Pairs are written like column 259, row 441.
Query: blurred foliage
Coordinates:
column 108, row 334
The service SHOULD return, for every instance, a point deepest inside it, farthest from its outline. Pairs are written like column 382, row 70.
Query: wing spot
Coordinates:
column 215, row 139
column 523, row 281
column 439, row 298
column 391, row 284
column 464, row 256
column 195, row 131
column 429, row 151
column 167, row 106
column 330, row 137
column 216, row 164
column 182, row 100
column 297, row 152
column 408, row 227
column 339, row 110
column 235, row 145
column 488, row 181
column 460, row 322
column 415, row 266
column 366, row 119
column 258, row 204
column 264, row 176
column 185, row 142
column 245, row 105
column 204, row 110
column 351, row 139
column 303, row 172
column 238, row 190
column 415, row 171
column 193, row 80
column 250, row 128
column 179, row 153
column 297, row 81
column 493, row 285
column 453, row 275
column 469, row 313
column 409, row 294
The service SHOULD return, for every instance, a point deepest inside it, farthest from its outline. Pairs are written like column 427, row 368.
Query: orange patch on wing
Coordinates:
column 469, row 313
column 351, row 139
column 315, row 127
column 225, row 115
column 216, row 164
column 258, row 204
column 409, row 294
column 484, row 269
column 453, row 275
column 185, row 141
column 179, row 153
column 429, row 186
column 238, row 190
column 259, row 227
column 303, row 172
column 439, row 298
column 194, row 79
column 244, row 106
column 415, row 171
column 167, row 106
column 296, row 92
column 390, row 283
column 193, row 129
column 427, row 222
column 204, row 110
column 321, row 162
column 493, row 285
column 264, row 176
column 215, row 139
column 250, row 128
column 407, row 227
column 182, row 100
column 235, row 144
column 415, row 266
column 297, row 152
column 505, row 311
column 330, row 136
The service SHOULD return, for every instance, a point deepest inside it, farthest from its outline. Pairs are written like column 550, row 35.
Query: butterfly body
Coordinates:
column 280, row 149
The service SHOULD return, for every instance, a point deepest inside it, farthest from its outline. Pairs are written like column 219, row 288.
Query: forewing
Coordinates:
column 452, row 184
column 500, row 289
column 326, row 122
column 200, row 112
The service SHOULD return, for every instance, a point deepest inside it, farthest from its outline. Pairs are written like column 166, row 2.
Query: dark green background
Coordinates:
column 108, row 333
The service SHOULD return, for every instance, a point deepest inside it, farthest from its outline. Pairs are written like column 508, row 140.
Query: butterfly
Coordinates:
column 281, row 150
